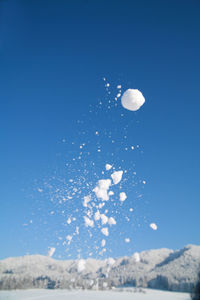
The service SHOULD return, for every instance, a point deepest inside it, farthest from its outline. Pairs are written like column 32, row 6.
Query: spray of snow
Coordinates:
column 117, row 176
column 132, row 99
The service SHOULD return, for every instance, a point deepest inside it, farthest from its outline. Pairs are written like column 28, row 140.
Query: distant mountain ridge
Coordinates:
column 159, row 269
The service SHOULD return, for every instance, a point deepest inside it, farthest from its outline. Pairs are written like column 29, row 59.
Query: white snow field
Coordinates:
column 38, row 294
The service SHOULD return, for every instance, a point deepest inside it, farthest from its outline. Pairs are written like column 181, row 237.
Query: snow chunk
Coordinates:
column 104, row 219
column 108, row 167
column 69, row 238
column 111, row 221
column 117, row 176
column 132, row 99
column 136, row 257
column 69, row 221
column 103, row 243
column 97, row 215
column 81, row 265
column 88, row 222
column 153, row 226
column 101, row 190
column 105, row 231
column 51, row 252
column 110, row 193
column 122, row 196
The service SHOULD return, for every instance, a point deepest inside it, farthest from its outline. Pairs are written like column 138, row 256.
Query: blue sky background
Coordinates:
column 53, row 56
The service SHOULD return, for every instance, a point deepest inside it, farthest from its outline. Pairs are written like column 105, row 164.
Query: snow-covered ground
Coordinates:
column 91, row 295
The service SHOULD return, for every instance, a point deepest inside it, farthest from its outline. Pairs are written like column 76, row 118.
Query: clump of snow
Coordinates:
column 88, row 222
column 101, row 190
column 51, row 252
column 111, row 221
column 108, row 167
column 69, row 238
column 105, row 231
column 122, row 196
column 104, row 219
column 97, row 215
column 69, row 221
column 153, row 226
column 117, row 176
column 81, row 265
column 103, row 243
column 127, row 240
column 136, row 257
column 132, row 99
column 110, row 193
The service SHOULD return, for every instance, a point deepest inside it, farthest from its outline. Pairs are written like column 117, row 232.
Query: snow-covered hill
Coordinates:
column 158, row 269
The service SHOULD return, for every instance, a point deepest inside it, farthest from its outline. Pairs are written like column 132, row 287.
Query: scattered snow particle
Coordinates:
column 131, row 209
column 51, row 252
column 108, row 167
column 40, row 190
column 107, row 84
column 110, row 193
column 132, row 99
column 127, row 240
column 88, row 222
column 144, row 182
column 117, row 176
column 119, row 86
column 132, row 147
column 118, row 95
column 122, row 196
column 81, row 265
column 105, row 231
column 153, row 226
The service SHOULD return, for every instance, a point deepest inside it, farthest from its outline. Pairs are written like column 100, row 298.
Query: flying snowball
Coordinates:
column 132, row 99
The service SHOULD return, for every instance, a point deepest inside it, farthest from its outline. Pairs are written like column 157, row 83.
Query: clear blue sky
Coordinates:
column 53, row 56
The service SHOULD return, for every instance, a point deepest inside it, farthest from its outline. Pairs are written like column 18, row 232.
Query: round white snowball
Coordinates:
column 132, row 99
